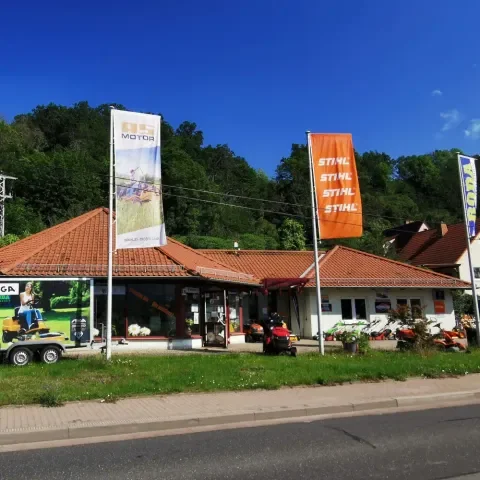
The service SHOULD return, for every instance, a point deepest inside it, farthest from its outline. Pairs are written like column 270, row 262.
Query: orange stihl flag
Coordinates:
column 336, row 182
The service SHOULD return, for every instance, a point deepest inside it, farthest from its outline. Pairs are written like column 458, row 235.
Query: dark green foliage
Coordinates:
column 60, row 156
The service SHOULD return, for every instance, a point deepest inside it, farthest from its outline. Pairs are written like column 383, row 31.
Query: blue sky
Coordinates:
column 402, row 77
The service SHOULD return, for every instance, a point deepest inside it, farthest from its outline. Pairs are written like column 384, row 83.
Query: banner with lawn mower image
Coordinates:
column 54, row 310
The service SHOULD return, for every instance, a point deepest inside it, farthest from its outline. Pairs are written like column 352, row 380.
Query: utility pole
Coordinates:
column 3, row 197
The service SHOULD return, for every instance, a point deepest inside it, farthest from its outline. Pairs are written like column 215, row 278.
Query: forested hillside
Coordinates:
column 60, row 156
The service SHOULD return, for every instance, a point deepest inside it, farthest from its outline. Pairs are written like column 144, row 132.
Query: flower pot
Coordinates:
column 350, row 347
column 188, row 332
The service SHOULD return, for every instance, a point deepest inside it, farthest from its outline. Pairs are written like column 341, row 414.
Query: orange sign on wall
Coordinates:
column 336, row 182
column 439, row 306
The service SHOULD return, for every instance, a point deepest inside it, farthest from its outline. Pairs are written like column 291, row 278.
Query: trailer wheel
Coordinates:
column 50, row 355
column 20, row 356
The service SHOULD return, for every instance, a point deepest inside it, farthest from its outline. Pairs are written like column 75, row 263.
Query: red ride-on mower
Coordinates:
column 277, row 338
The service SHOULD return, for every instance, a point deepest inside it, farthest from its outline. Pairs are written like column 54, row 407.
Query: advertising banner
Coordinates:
column 56, row 310
column 439, row 306
column 469, row 191
column 139, row 210
column 336, row 183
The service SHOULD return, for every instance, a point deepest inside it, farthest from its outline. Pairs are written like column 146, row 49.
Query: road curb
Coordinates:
column 105, row 429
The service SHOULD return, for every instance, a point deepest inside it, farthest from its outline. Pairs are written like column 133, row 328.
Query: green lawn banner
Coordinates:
column 56, row 310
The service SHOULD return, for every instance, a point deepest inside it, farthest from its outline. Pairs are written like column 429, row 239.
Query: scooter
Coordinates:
column 277, row 338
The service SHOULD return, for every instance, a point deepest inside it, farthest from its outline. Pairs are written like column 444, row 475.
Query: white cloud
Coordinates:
column 473, row 131
column 452, row 119
column 437, row 93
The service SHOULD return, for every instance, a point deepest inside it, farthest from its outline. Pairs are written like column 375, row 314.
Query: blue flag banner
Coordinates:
column 468, row 175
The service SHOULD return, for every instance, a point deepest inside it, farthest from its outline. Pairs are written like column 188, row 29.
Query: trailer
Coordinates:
column 42, row 318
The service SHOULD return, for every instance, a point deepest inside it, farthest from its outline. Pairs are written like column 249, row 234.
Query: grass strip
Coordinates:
column 94, row 378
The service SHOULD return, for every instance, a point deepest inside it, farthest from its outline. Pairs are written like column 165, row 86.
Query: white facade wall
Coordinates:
column 329, row 319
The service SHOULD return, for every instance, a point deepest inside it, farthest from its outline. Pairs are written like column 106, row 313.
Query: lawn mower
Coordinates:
column 293, row 336
column 277, row 337
column 443, row 340
column 16, row 327
column 253, row 332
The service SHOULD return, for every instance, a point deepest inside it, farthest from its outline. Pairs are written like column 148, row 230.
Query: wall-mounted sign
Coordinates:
column 116, row 290
column 439, row 306
column 383, row 306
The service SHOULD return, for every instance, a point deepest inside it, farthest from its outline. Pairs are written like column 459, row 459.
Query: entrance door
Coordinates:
column 216, row 321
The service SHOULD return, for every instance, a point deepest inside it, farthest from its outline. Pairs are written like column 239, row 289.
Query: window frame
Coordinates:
column 353, row 308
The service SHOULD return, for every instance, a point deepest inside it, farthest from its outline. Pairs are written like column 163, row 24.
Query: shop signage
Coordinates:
column 336, row 185
column 439, row 306
column 116, row 290
column 139, row 213
column 190, row 290
column 9, row 288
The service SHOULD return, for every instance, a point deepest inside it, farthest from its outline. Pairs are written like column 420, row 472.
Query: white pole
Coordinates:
column 472, row 273
column 110, row 246
column 321, row 345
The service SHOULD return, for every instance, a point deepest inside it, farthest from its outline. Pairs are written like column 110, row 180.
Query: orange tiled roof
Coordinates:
column 430, row 248
column 340, row 267
column 78, row 247
column 346, row 267
column 265, row 263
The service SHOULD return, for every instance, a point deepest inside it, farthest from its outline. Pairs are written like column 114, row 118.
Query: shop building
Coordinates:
column 173, row 295
column 177, row 297
column 355, row 286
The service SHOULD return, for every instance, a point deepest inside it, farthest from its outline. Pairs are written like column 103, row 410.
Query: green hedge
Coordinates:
column 67, row 302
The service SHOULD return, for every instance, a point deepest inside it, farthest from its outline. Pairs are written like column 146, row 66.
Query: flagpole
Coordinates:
column 469, row 252
column 110, row 246
column 315, row 223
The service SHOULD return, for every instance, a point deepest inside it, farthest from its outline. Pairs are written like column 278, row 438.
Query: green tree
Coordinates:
column 292, row 235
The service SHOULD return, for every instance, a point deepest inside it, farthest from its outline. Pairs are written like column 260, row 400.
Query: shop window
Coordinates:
column 151, row 310
column 360, row 309
column 192, row 309
column 354, row 309
column 440, row 294
column 234, row 304
column 118, row 312
column 347, row 311
column 415, row 305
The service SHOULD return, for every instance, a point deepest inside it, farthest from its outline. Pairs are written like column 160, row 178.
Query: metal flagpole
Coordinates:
column 321, row 345
column 110, row 245
column 472, row 274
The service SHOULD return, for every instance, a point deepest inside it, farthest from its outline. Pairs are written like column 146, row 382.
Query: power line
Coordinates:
column 262, row 210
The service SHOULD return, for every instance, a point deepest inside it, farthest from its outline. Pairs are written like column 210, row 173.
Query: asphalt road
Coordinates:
column 424, row 445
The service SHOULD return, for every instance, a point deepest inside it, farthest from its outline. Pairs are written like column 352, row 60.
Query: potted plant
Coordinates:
column 349, row 340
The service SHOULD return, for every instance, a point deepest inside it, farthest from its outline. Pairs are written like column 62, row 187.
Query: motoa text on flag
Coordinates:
column 139, row 208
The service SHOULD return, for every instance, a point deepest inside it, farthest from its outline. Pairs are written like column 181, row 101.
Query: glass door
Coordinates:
column 215, row 332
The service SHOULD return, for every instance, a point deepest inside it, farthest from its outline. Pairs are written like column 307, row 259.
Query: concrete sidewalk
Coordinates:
column 303, row 346
column 151, row 414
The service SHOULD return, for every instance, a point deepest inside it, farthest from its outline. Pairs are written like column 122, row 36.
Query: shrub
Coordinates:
column 67, row 302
